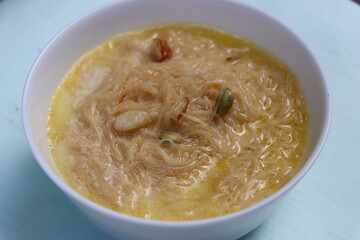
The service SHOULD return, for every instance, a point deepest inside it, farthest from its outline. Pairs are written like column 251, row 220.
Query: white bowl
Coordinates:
column 95, row 27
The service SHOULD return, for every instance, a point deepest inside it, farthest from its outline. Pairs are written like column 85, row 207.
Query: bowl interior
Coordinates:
column 95, row 27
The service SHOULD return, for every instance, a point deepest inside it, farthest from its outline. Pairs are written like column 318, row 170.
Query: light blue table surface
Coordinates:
column 325, row 205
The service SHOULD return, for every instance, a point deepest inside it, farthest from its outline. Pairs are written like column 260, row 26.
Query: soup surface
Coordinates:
column 177, row 122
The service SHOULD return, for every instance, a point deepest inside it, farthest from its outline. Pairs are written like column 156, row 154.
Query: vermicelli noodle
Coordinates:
column 109, row 111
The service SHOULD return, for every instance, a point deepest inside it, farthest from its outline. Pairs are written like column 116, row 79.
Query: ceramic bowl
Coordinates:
column 97, row 26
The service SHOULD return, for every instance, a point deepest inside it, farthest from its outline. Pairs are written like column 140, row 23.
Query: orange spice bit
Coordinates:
column 232, row 58
column 184, row 109
column 122, row 98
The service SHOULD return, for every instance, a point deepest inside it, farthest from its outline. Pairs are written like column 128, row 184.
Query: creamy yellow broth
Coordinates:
column 108, row 114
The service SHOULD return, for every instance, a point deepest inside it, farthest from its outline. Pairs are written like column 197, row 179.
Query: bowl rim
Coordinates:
column 175, row 224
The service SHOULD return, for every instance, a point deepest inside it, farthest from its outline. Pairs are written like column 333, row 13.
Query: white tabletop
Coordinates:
column 324, row 205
